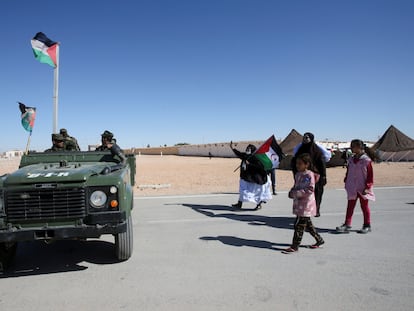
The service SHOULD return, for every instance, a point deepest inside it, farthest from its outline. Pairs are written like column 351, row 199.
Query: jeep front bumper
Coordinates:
column 96, row 226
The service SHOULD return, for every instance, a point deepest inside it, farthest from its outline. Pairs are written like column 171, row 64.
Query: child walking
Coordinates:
column 359, row 181
column 304, row 204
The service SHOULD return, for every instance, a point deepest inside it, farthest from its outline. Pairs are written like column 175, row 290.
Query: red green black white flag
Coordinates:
column 269, row 153
column 44, row 49
column 28, row 117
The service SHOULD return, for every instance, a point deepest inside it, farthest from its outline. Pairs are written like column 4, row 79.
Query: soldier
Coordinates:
column 71, row 142
column 57, row 143
column 109, row 143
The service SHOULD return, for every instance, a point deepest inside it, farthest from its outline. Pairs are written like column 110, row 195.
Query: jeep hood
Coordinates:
column 54, row 172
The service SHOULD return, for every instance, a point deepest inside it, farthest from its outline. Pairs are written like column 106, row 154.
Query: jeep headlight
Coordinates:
column 98, row 198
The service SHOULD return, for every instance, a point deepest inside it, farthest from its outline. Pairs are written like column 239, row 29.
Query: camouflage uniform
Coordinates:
column 56, row 139
column 71, row 143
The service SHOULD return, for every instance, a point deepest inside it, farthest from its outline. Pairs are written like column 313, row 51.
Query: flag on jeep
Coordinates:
column 269, row 153
column 28, row 116
column 44, row 49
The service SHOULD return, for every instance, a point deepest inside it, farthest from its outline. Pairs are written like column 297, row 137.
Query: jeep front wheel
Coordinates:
column 7, row 253
column 124, row 241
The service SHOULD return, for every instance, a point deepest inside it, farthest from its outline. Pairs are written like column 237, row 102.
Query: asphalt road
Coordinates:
column 196, row 253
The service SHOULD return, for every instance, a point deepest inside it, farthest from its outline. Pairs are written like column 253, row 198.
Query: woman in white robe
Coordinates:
column 255, row 184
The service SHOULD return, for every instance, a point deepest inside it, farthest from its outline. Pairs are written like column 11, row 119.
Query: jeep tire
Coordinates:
column 7, row 254
column 124, row 242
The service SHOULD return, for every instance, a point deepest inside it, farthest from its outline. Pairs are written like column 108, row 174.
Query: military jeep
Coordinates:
column 67, row 195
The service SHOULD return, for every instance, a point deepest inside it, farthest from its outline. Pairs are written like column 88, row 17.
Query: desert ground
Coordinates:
column 180, row 175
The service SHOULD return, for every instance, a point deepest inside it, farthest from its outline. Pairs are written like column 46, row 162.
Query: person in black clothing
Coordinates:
column 309, row 146
column 272, row 174
column 109, row 143
column 252, row 177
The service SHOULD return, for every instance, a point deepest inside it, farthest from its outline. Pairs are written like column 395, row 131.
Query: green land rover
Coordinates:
column 67, row 195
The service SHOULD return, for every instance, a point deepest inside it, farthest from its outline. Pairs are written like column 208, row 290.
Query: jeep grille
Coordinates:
column 45, row 204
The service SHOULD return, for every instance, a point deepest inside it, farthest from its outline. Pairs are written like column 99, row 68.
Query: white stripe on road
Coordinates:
column 210, row 195
column 218, row 218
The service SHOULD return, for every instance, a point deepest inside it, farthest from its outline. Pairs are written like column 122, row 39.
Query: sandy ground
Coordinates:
column 178, row 175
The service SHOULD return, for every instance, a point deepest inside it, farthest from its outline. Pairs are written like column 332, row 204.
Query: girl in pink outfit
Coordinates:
column 304, row 203
column 359, row 181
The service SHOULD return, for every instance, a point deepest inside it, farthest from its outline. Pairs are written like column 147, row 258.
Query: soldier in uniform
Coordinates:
column 109, row 143
column 71, row 142
column 58, row 143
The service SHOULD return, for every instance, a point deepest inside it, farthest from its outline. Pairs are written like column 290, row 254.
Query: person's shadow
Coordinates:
column 256, row 220
column 239, row 242
column 223, row 211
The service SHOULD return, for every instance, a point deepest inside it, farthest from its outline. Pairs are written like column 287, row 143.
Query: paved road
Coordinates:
column 195, row 253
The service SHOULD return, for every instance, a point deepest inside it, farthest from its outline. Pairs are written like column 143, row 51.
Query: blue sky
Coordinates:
column 202, row 71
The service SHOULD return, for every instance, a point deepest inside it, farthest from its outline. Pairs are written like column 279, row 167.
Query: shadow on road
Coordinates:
column 223, row 211
column 36, row 258
column 239, row 242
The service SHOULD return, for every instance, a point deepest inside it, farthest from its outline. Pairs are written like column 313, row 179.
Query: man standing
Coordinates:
column 109, row 143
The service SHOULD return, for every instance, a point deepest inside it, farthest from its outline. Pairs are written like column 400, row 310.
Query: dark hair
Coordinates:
column 359, row 143
column 306, row 158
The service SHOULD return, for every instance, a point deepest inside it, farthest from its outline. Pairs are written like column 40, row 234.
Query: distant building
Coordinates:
column 92, row 147
column 335, row 145
column 13, row 154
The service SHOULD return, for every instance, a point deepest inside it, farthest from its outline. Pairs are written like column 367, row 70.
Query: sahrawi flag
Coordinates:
column 269, row 154
column 44, row 49
column 28, row 116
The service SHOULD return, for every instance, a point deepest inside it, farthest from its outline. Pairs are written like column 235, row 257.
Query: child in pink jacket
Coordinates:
column 304, row 204
column 359, row 181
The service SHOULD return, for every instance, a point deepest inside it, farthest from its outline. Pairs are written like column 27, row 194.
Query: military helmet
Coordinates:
column 58, row 137
column 107, row 134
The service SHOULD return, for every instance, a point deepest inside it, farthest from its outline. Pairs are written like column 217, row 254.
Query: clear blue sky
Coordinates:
column 202, row 71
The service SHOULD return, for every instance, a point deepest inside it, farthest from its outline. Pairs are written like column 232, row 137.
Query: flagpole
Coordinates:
column 28, row 143
column 56, row 92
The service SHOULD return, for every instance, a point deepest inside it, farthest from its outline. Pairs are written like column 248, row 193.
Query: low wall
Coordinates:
column 221, row 150
column 153, row 151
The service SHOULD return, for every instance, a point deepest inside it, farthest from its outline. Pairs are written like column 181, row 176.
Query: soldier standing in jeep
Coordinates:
column 109, row 143
column 57, row 143
column 71, row 143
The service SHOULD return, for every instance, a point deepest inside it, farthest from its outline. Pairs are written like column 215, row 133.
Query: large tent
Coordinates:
column 287, row 145
column 290, row 142
column 394, row 146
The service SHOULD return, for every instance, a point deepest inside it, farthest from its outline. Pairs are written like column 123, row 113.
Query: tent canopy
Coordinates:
column 291, row 141
column 394, row 140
